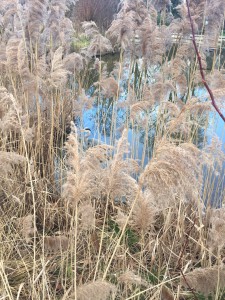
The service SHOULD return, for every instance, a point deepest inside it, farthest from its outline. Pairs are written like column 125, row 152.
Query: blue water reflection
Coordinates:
column 99, row 120
column 214, row 180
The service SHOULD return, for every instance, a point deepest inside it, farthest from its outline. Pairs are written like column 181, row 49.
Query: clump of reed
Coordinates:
column 98, row 223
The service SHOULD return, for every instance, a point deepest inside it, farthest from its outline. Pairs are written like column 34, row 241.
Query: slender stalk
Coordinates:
column 75, row 251
column 200, row 65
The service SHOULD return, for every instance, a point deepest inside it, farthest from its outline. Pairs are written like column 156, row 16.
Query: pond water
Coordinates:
column 217, row 178
column 99, row 121
column 99, row 118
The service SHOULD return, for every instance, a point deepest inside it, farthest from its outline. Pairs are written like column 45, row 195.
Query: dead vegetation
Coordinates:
column 97, row 223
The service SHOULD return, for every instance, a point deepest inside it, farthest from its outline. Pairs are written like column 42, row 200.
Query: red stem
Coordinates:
column 200, row 65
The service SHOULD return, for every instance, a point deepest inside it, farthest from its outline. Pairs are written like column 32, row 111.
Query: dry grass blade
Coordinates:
column 80, row 219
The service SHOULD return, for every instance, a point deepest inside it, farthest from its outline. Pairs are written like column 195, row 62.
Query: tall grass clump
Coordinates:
column 138, row 212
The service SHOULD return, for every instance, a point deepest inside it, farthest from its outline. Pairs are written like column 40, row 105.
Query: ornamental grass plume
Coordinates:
column 28, row 229
column 91, row 175
column 109, row 87
column 87, row 216
column 217, row 230
column 36, row 18
column 206, row 280
column 151, row 46
column 118, row 180
column 8, row 161
column 187, row 116
column 9, row 108
column 74, row 62
column 174, row 171
column 139, row 107
column 122, row 29
column 129, row 278
column 80, row 182
column 91, row 221
column 58, row 74
column 13, row 120
column 99, row 290
column 90, row 28
column 144, row 214
column 215, row 18
column 99, row 44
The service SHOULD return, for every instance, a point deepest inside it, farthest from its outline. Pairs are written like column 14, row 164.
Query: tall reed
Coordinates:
column 140, row 215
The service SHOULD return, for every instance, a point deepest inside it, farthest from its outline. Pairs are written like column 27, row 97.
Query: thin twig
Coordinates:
column 200, row 65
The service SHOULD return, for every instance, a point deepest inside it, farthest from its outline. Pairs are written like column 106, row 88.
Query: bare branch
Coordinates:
column 200, row 65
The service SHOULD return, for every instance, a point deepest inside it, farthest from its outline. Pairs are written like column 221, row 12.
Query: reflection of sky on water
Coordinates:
column 216, row 179
column 99, row 120
column 216, row 126
column 101, row 131
column 90, row 120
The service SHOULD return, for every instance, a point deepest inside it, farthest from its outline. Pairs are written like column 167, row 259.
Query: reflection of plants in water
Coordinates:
column 104, row 115
column 103, row 109
column 159, row 209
